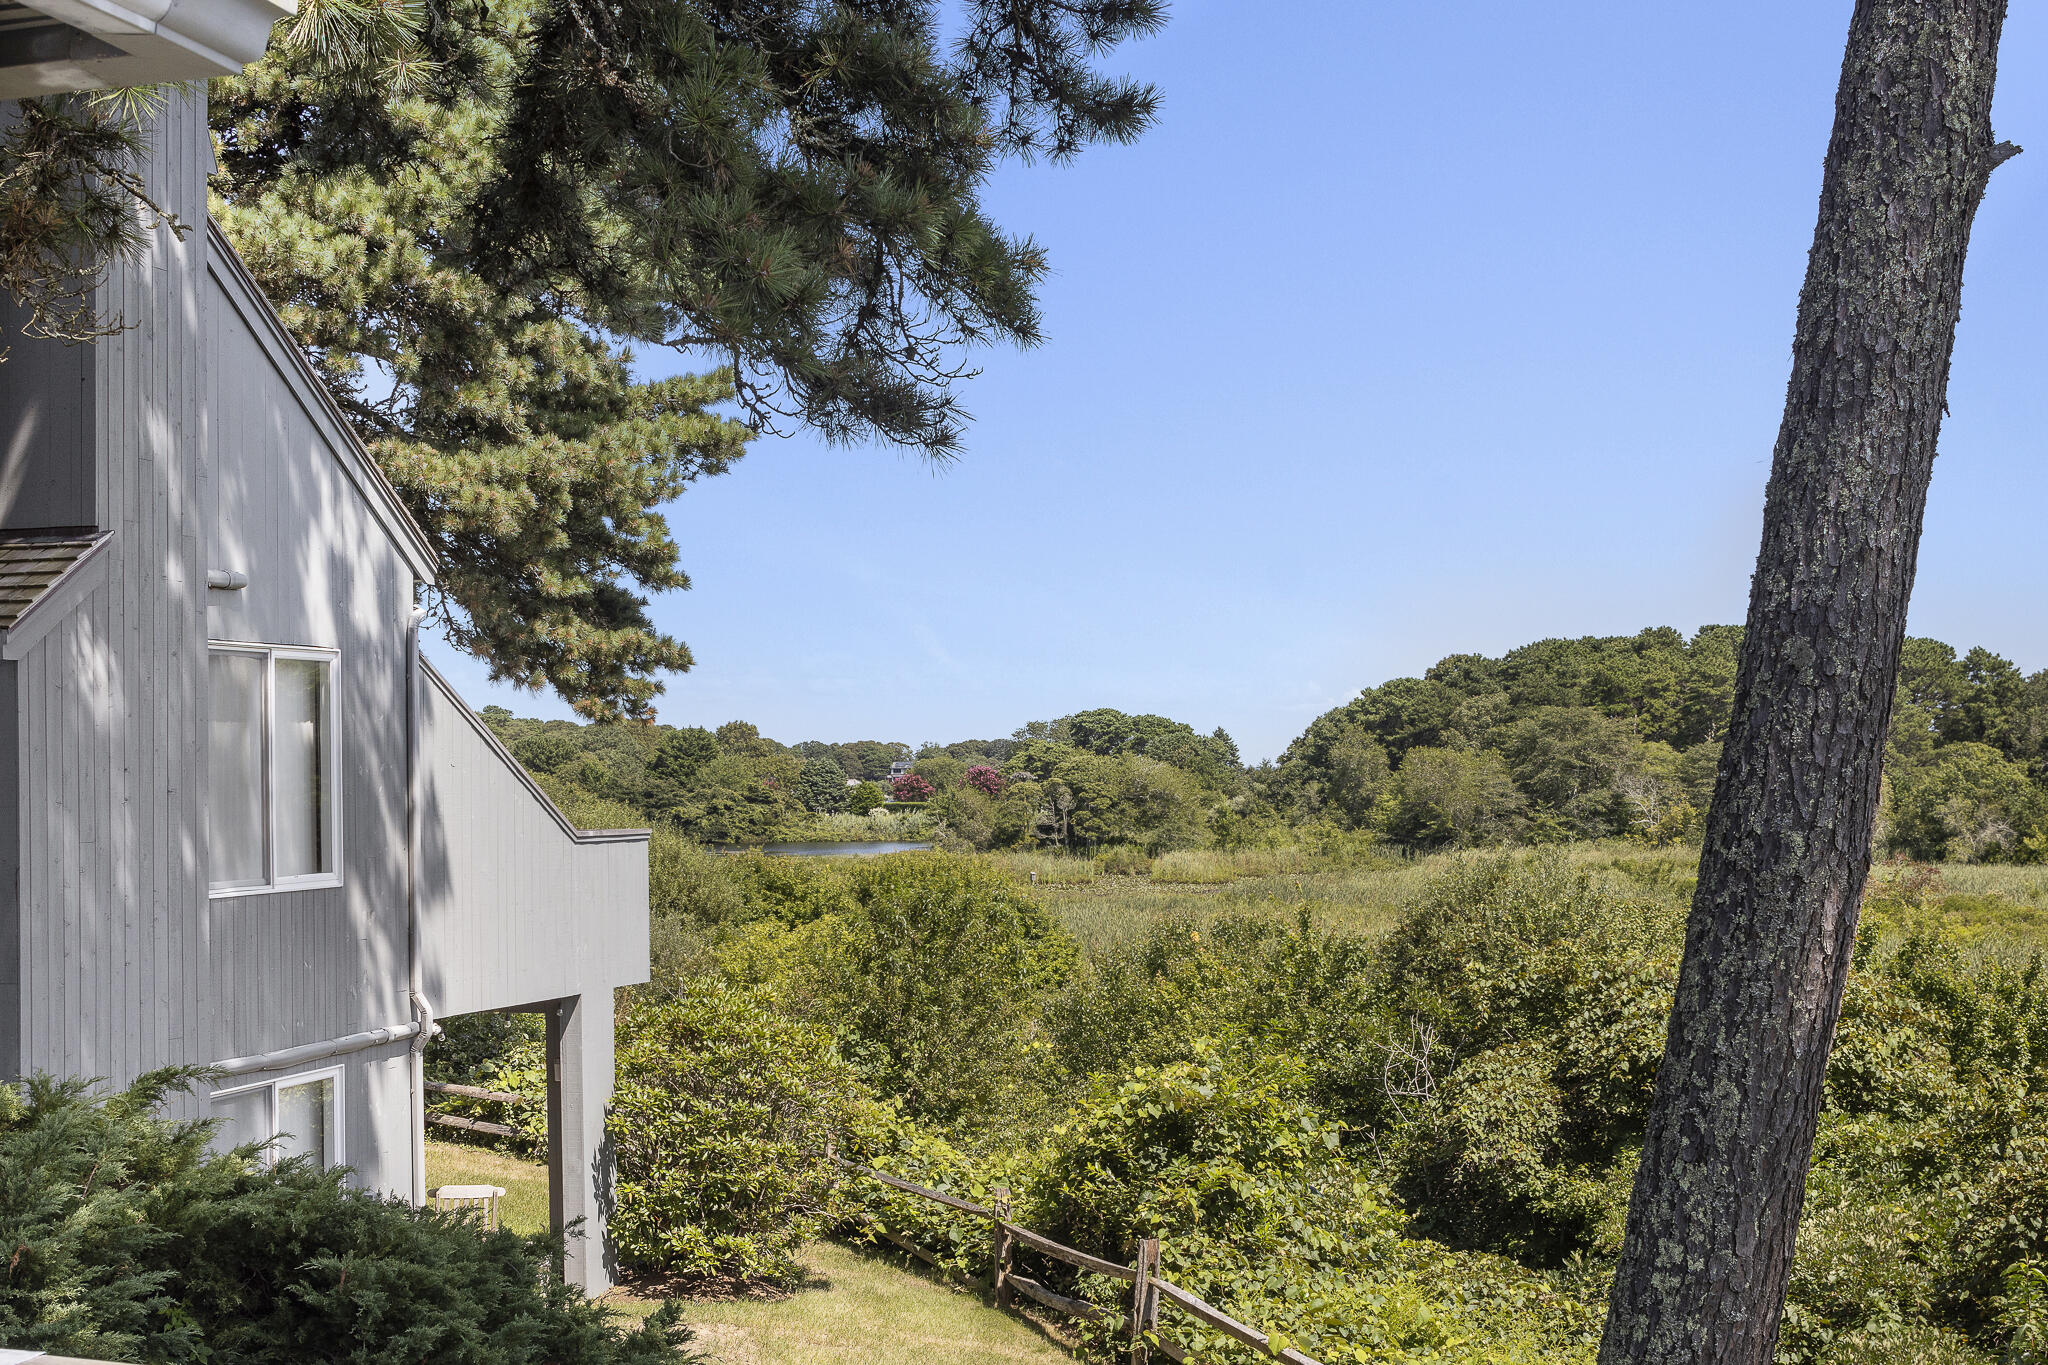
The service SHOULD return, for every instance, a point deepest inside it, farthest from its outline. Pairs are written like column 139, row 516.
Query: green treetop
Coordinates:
column 471, row 225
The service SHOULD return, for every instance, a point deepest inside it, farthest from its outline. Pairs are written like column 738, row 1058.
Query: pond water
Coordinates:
column 862, row 850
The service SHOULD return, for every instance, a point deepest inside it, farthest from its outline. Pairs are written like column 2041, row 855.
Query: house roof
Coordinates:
column 51, row 46
column 31, row 565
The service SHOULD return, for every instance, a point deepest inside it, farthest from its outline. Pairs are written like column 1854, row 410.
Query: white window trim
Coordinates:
column 330, row 768
column 337, row 1128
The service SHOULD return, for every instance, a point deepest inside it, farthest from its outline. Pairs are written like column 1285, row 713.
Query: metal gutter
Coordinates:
column 312, row 1052
column 415, row 972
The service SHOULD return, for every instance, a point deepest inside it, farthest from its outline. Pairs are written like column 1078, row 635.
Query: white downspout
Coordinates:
column 415, row 975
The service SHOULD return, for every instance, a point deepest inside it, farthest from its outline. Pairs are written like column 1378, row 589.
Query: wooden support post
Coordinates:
column 1002, row 1246
column 1144, row 1301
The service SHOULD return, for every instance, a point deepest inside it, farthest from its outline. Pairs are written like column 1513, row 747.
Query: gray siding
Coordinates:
column 212, row 447
column 303, row 966
column 44, row 407
column 111, row 769
column 10, row 869
column 516, row 906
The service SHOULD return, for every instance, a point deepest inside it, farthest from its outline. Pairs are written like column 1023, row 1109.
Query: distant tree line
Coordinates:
column 1596, row 737
column 1618, row 735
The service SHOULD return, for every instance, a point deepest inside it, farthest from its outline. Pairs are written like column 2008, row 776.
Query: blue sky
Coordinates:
column 1411, row 329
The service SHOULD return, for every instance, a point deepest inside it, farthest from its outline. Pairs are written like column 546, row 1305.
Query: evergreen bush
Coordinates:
column 133, row 1242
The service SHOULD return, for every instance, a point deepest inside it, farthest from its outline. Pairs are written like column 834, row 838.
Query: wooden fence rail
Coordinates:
column 474, row 1092
column 1148, row 1290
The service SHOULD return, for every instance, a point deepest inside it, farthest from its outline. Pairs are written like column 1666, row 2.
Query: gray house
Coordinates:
column 242, row 823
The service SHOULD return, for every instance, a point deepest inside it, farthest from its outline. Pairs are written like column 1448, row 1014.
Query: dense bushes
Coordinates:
column 131, row 1242
column 1408, row 1146
column 721, row 1117
column 931, row 973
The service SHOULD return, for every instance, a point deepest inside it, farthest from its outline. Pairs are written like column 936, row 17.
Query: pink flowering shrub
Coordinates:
column 911, row 787
column 985, row 780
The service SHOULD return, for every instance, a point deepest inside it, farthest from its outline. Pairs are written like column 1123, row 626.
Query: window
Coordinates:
column 301, row 1113
column 272, row 819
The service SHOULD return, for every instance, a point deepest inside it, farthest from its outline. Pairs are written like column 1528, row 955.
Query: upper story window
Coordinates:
column 273, row 822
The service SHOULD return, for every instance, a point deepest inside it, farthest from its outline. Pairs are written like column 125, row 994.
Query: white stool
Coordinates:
column 480, row 1199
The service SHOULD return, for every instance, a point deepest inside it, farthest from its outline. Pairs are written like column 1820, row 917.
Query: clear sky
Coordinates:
column 1413, row 328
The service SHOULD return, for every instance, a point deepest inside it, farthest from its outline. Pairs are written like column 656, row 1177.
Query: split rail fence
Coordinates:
column 1148, row 1291
column 474, row 1092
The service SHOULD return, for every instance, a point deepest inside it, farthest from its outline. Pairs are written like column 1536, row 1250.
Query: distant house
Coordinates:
column 242, row 824
column 901, row 768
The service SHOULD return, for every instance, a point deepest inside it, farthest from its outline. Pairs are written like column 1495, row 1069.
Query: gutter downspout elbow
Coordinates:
column 415, row 972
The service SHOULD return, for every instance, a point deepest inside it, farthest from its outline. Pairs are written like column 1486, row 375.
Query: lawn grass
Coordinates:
column 853, row 1308
column 860, row 1308
column 525, row 1205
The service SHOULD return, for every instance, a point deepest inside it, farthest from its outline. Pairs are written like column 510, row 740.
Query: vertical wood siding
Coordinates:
column 205, row 455
column 107, row 706
column 209, row 449
column 515, row 907
column 309, row 965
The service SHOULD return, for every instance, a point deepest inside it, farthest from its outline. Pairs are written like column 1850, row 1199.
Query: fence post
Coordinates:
column 1144, row 1301
column 999, row 1201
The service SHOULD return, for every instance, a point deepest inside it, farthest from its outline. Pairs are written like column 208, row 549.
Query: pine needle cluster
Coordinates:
column 473, row 222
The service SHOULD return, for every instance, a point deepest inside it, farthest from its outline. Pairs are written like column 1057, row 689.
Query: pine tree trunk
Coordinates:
column 1717, row 1198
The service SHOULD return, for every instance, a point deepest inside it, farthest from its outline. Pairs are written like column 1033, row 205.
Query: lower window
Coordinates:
column 298, row 1115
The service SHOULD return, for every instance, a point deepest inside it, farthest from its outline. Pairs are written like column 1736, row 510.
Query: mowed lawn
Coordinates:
column 525, row 1205
column 856, row 1308
column 853, row 1308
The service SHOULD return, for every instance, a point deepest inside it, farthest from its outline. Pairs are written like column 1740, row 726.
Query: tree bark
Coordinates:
column 1717, row 1197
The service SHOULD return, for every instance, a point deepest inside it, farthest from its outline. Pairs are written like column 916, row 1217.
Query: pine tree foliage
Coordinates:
column 471, row 221
column 71, row 203
column 508, row 420
column 799, row 181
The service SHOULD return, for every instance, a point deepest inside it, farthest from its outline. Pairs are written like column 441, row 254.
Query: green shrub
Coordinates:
column 1862, row 1268
column 1163, row 1151
column 932, row 976
column 1535, row 1004
column 687, row 881
column 131, row 1242
column 2004, row 1225
column 721, row 1116
column 495, row 1050
column 1239, row 978
column 1259, row 1212
column 1125, row 860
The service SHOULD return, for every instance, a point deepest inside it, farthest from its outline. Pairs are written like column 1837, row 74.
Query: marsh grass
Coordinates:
column 1993, row 909
column 1053, row 869
column 1215, row 867
column 879, row 826
column 1111, row 910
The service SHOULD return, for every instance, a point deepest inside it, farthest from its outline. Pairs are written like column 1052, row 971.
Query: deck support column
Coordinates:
column 580, row 1158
